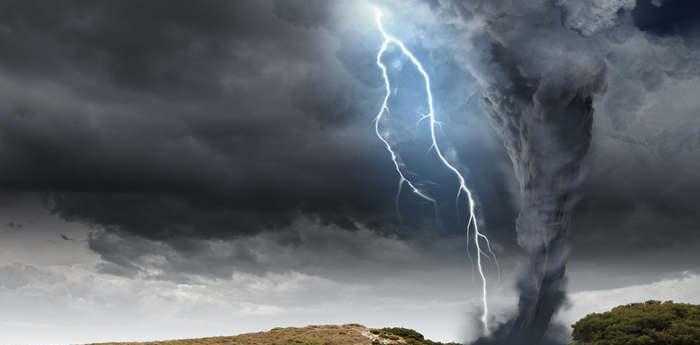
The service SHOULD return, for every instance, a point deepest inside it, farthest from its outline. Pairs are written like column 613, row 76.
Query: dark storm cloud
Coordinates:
column 206, row 119
column 180, row 122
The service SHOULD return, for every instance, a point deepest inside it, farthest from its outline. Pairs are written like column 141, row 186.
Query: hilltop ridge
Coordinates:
column 349, row 334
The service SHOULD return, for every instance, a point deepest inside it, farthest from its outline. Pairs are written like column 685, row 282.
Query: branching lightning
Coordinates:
column 472, row 226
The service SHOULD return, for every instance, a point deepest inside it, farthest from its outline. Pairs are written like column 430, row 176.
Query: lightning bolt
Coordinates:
column 472, row 227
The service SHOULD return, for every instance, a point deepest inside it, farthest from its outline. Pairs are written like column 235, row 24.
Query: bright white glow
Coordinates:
column 478, row 237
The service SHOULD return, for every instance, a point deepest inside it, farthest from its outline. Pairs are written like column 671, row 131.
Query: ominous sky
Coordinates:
column 179, row 168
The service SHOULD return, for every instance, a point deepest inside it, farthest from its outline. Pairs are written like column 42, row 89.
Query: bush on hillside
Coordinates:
column 649, row 323
column 406, row 335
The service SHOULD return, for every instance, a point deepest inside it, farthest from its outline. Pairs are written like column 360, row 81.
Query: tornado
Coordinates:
column 539, row 80
column 546, row 128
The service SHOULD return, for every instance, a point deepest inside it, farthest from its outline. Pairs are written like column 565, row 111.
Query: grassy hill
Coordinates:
column 351, row 334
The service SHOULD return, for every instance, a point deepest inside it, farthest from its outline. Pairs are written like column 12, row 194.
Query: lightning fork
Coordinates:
column 472, row 227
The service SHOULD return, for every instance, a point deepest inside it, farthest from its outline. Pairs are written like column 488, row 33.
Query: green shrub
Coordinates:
column 408, row 336
column 403, row 332
column 649, row 323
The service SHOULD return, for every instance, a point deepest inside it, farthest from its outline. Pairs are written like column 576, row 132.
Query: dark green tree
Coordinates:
column 649, row 323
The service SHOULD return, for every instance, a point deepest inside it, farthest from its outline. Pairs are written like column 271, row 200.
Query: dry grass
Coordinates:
column 311, row 335
column 350, row 334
